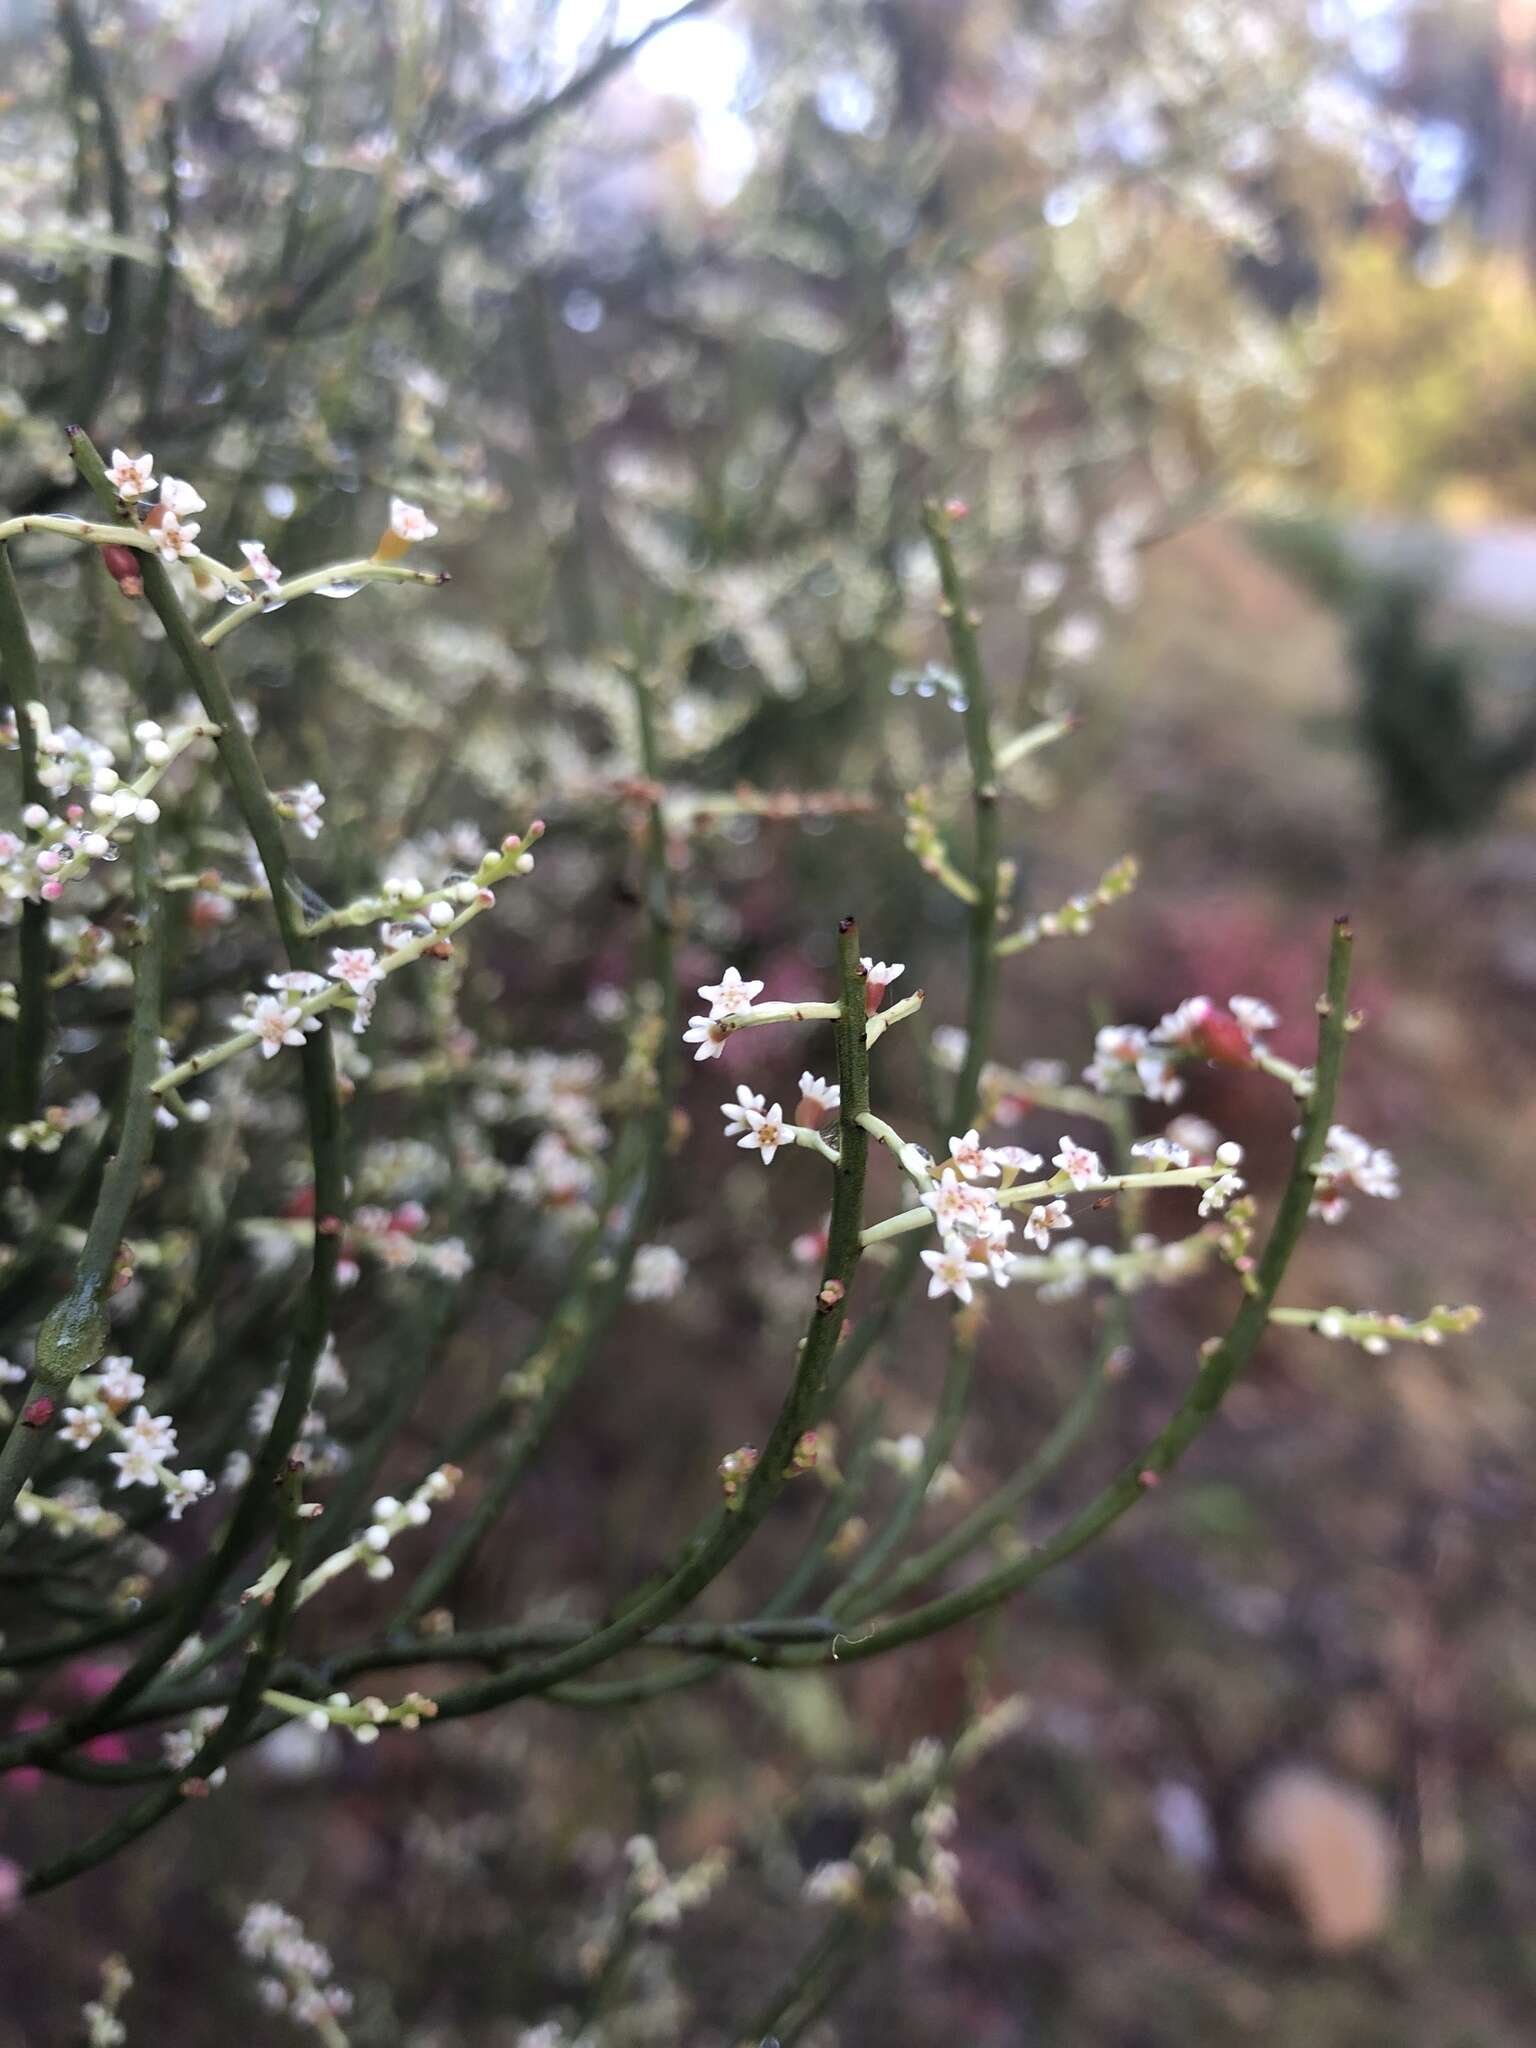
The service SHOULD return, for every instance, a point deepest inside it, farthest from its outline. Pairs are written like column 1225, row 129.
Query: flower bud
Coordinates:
column 124, row 569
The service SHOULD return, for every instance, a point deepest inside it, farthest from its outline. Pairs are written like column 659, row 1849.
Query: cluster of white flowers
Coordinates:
column 361, row 1719
column 296, row 1972
column 1129, row 1060
column 99, row 2016
column 180, row 1747
column 390, row 1518
column 1376, row 1332
column 146, row 1443
column 1350, row 1161
column 663, row 1896
column 48, row 1132
column 394, row 1238
column 97, row 806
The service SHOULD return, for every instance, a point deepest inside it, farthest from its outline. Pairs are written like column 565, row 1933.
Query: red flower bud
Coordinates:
column 37, row 1414
column 123, row 567
column 1219, row 1037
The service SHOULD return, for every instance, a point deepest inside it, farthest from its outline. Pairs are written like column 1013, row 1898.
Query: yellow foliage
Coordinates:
column 1426, row 394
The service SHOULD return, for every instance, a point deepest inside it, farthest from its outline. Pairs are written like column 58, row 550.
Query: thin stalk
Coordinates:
column 981, row 986
column 243, row 1710
column 728, row 1529
column 18, row 673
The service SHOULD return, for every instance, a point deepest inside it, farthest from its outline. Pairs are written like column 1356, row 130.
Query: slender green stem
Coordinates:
column 102, row 350
column 981, row 991
column 725, row 1533
column 18, row 674
column 937, row 1447
column 1002, row 1505
column 243, row 1709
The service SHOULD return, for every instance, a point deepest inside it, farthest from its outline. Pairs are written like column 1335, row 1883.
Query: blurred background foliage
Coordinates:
column 1219, row 319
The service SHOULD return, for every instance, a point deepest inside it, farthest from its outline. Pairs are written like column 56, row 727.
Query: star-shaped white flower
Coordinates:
column 1043, row 1219
column 175, row 540
column 356, row 966
column 277, row 1024
column 81, row 1427
column 118, row 1382
column 735, row 1113
column 767, row 1132
column 731, row 995
column 1081, row 1166
column 131, row 476
column 948, row 1200
column 970, row 1157
column 951, row 1271
column 708, row 1034
column 135, row 1467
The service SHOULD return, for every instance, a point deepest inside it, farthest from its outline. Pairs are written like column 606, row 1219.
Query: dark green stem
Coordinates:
column 725, row 1533
column 18, row 674
column 981, row 990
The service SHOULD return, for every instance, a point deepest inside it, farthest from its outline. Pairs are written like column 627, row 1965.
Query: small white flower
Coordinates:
column 131, row 476
column 657, row 1273
column 409, row 522
column 951, row 1271
column 708, row 1034
column 177, row 540
column 817, row 1098
column 1081, row 1166
column 153, row 1434
column 305, row 803
column 767, row 1133
column 1013, row 1159
column 1043, row 1219
column 1159, row 1077
column 135, row 1467
column 971, row 1157
column 949, row 1200
column 731, row 995
column 81, row 1427
column 180, row 499
column 183, row 1489
column 263, row 569
column 1161, row 1153
column 1253, row 1015
column 948, row 1047
column 356, row 966
column 118, row 1381
column 296, row 981
column 735, row 1113
column 276, row 1025
column 1220, row 1192
column 1179, row 1026
column 878, row 976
